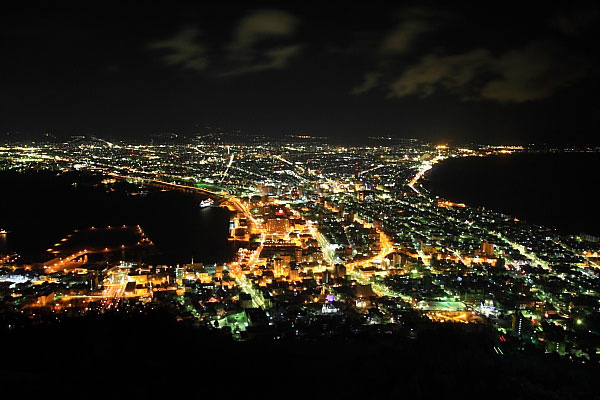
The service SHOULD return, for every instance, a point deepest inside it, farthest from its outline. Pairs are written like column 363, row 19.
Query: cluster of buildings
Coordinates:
column 331, row 240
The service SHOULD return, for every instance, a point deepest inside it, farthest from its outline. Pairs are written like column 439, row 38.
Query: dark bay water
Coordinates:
column 39, row 208
column 554, row 190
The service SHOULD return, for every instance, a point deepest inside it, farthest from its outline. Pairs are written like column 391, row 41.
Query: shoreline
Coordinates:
column 498, row 194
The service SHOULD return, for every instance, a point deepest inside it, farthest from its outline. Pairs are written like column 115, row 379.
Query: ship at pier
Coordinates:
column 207, row 203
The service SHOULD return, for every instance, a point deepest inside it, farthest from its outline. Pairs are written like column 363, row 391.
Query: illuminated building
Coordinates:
column 278, row 226
column 278, row 267
column 365, row 195
column 298, row 255
column 294, row 274
column 487, row 249
column 398, row 260
column 269, row 190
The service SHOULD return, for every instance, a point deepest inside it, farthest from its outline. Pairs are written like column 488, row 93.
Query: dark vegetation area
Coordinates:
column 154, row 354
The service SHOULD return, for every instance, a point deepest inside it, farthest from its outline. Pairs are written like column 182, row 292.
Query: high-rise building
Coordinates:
column 398, row 260
column 294, row 273
column 365, row 195
column 487, row 248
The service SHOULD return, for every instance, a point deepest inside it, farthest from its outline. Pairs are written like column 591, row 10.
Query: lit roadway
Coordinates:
column 293, row 166
column 385, row 248
column 564, row 246
column 386, row 245
column 228, row 166
column 63, row 263
column 244, row 283
column 530, row 255
column 418, row 248
column 115, row 290
column 246, row 286
column 328, row 252
column 378, row 287
column 426, row 166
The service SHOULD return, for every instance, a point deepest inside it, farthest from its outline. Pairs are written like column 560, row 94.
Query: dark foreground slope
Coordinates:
column 156, row 356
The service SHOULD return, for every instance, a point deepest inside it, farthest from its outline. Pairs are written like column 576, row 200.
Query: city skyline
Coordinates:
column 289, row 247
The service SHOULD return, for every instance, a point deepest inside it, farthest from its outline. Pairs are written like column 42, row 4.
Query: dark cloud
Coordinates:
column 255, row 44
column 477, row 68
column 402, row 38
column 260, row 25
column 273, row 58
column 413, row 23
column 258, row 44
column 574, row 22
column 432, row 72
column 533, row 72
column 370, row 81
column 183, row 49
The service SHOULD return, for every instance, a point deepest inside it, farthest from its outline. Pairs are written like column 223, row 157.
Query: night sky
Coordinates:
column 494, row 73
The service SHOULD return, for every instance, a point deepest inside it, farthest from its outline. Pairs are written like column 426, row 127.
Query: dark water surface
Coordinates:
column 558, row 190
column 39, row 208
